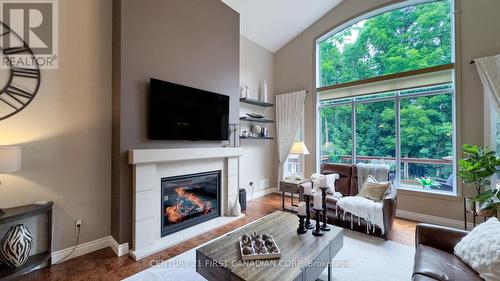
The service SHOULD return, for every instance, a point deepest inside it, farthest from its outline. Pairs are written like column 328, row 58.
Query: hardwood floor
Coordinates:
column 104, row 265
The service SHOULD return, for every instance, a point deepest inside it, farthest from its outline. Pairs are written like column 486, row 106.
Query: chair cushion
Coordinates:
column 441, row 265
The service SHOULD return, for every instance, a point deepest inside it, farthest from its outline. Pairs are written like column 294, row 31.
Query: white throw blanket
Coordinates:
column 379, row 171
column 367, row 209
column 362, row 207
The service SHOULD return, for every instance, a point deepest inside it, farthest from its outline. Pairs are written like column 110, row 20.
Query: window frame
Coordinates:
column 397, row 104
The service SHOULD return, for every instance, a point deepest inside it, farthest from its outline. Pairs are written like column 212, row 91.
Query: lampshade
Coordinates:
column 299, row 148
column 10, row 159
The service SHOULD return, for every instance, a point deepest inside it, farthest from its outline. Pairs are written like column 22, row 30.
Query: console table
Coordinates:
column 10, row 216
column 303, row 257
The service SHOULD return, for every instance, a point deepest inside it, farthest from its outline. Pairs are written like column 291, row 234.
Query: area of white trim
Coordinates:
column 181, row 236
column 120, row 250
column 82, row 249
column 145, row 156
column 432, row 219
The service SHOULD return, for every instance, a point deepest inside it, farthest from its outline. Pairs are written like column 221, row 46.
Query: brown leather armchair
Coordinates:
column 434, row 258
column 347, row 184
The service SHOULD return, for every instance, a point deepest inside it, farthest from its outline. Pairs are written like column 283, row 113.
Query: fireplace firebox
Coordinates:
column 189, row 200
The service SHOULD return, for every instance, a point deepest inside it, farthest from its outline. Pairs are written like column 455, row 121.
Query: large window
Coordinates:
column 386, row 94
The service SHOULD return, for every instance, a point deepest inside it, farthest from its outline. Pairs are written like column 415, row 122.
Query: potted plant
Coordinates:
column 476, row 168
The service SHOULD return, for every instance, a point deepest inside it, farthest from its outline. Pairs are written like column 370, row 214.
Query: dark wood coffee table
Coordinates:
column 303, row 257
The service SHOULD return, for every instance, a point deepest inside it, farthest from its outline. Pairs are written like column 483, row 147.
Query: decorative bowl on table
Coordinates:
column 258, row 247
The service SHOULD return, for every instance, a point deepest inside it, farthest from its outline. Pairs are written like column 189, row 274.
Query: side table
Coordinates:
column 291, row 186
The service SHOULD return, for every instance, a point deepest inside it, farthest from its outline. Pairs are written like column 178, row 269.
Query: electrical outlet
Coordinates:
column 79, row 224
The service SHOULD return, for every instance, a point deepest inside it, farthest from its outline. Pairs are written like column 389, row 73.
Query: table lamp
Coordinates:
column 10, row 161
column 298, row 148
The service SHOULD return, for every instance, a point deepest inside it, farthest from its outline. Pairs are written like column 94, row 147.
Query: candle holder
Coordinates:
column 302, row 227
column 308, row 223
column 317, row 231
column 324, row 219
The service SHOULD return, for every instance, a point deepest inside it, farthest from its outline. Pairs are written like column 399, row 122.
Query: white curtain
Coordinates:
column 289, row 110
column 489, row 73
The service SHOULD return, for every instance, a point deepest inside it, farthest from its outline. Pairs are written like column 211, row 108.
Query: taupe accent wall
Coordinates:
column 477, row 35
column 189, row 42
column 65, row 133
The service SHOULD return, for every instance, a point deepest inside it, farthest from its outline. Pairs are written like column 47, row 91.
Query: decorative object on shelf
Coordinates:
column 308, row 224
column 24, row 82
column 476, row 168
column 256, row 130
column 245, row 92
column 324, row 218
column 258, row 247
column 10, row 161
column 265, row 132
column 317, row 231
column 16, row 246
column 264, row 92
column 255, row 115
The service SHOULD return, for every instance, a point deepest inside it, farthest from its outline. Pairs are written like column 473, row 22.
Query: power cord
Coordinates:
column 78, row 231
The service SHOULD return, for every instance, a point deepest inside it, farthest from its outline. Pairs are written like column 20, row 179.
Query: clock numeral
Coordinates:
column 15, row 50
column 10, row 104
column 25, row 72
column 12, row 90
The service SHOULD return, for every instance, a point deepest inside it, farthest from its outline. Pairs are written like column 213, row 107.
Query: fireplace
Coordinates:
column 189, row 200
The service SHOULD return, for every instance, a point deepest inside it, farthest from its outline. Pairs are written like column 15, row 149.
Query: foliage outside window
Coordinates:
column 365, row 130
column 406, row 39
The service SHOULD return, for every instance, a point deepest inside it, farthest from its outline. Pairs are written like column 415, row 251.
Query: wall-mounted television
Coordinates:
column 178, row 112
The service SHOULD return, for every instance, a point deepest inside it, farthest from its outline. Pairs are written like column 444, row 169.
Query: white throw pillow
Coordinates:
column 480, row 249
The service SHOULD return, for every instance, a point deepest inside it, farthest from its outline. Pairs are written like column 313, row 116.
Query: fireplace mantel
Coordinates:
column 144, row 156
column 151, row 165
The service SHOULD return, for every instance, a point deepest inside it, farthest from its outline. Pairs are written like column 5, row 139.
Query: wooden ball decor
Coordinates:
column 16, row 246
column 258, row 247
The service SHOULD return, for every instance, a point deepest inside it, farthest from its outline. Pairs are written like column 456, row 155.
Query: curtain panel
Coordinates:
column 289, row 110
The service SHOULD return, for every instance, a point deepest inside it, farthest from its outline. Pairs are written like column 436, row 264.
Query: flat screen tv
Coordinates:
column 179, row 112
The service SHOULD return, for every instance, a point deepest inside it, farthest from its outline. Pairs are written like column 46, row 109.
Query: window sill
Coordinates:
column 429, row 194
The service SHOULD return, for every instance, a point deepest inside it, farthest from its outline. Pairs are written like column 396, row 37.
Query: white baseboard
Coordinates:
column 120, row 250
column 432, row 219
column 260, row 193
column 81, row 249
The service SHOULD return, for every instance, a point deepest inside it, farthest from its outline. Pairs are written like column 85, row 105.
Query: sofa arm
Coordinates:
column 389, row 206
column 439, row 237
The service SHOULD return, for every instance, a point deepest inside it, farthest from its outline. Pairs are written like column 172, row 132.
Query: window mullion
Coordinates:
column 398, row 139
column 353, row 147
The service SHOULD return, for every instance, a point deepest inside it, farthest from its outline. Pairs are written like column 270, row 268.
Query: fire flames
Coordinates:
column 185, row 204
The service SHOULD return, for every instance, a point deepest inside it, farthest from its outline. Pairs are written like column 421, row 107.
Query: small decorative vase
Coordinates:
column 264, row 92
column 16, row 246
column 236, row 208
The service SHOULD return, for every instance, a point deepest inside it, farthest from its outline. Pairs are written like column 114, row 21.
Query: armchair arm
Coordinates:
column 389, row 206
column 439, row 237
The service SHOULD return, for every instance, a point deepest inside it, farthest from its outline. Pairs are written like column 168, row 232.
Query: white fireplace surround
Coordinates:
column 150, row 166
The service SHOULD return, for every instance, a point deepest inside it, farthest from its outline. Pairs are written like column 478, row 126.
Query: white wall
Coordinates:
column 258, row 162
column 65, row 133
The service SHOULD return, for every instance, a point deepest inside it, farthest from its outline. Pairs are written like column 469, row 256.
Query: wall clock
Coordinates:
column 19, row 73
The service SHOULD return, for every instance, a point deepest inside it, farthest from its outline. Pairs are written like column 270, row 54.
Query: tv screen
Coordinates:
column 179, row 112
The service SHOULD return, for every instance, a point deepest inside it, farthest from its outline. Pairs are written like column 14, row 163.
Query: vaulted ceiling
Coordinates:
column 273, row 23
